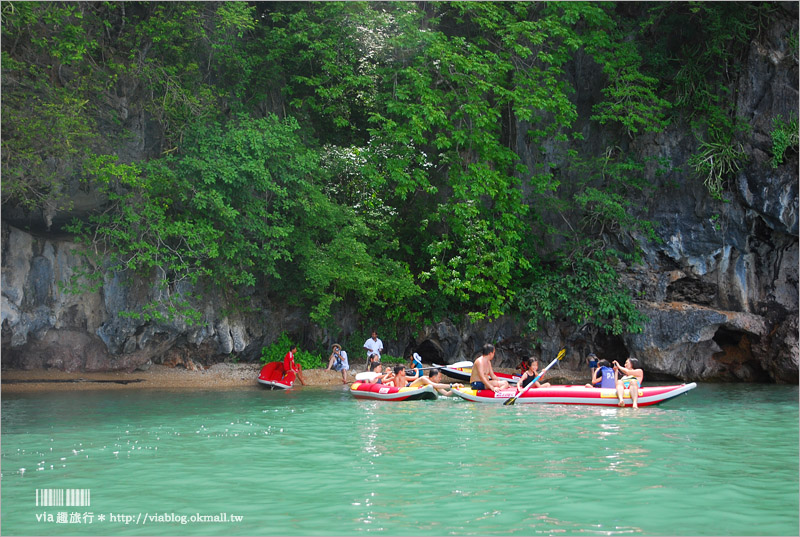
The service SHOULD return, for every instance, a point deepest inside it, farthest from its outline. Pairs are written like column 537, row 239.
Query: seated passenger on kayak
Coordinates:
column 378, row 376
column 396, row 377
column 604, row 376
column 530, row 370
column 435, row 380
column 374, row 358
column 483, row 376
column 632, row 380
column 415, row 367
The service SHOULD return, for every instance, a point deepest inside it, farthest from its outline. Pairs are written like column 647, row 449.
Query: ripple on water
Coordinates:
column 708, row 463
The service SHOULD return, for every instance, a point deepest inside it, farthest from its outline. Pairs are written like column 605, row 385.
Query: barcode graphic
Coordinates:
column 63, row 497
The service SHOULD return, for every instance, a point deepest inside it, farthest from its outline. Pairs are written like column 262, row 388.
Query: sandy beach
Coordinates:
column 222, row 376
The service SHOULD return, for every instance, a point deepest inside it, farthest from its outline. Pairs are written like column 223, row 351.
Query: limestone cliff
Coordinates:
column 720, row 289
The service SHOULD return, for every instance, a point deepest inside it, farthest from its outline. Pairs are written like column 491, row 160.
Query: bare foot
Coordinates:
column 621, row 402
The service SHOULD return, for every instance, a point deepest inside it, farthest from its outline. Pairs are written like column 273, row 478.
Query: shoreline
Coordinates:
column 221, row 376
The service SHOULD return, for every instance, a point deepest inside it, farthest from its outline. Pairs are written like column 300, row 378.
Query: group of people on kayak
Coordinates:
column 399, row 377
column 604, row 374
column 628, row 377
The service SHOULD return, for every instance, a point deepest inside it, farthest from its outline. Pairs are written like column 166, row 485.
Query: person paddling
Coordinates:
column 531, row 369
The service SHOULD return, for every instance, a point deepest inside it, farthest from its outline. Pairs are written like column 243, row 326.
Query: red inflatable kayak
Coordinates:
column 576, row 395
column 383, row 392
column 274, row 376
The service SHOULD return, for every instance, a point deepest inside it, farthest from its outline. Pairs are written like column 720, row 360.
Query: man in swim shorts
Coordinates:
column 483, row 376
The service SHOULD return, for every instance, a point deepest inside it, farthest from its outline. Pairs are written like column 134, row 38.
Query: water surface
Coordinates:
column 721, row 460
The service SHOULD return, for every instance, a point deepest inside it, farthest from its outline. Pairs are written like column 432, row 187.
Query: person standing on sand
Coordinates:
column 374, row 346
column 290, row 366
column 483, row 376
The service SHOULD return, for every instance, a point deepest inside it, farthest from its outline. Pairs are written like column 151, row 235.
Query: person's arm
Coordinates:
column 636, row 373
column 415, row 374
column 595, row 379
column 521, row 380
column 446, row 389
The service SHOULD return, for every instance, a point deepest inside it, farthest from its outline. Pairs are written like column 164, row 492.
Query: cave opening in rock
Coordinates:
column 610, row 347
column 430, row 352
column 737, row 355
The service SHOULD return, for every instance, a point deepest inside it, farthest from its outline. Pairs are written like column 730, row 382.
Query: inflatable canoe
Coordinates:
column 577, row 395
column 462, row 373
column 382, row 392
column 273, row 376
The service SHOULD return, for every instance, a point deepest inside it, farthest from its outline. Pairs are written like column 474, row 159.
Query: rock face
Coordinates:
column 52, row 317
column 720, row 290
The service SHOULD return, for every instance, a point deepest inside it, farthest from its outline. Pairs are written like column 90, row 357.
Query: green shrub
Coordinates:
column 278, row 349
column 715, row 162
column 784, row 135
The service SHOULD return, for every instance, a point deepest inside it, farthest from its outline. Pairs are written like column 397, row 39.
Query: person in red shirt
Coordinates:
column 289, row 365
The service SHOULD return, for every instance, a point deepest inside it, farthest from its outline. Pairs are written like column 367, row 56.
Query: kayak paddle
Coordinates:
column 367, row 375
column 511, row 400
column 455, row 365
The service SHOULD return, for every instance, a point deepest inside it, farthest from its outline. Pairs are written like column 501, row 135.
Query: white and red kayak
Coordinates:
column 576, row 395
column 461, row 371
column 384, row 392
column 273, row 376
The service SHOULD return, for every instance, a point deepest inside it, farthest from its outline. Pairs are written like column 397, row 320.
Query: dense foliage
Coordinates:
column 368, row 153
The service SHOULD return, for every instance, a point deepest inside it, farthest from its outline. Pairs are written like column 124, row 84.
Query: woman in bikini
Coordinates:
column 631, row 380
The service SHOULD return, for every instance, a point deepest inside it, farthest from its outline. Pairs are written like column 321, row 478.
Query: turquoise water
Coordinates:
column 720, row 460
